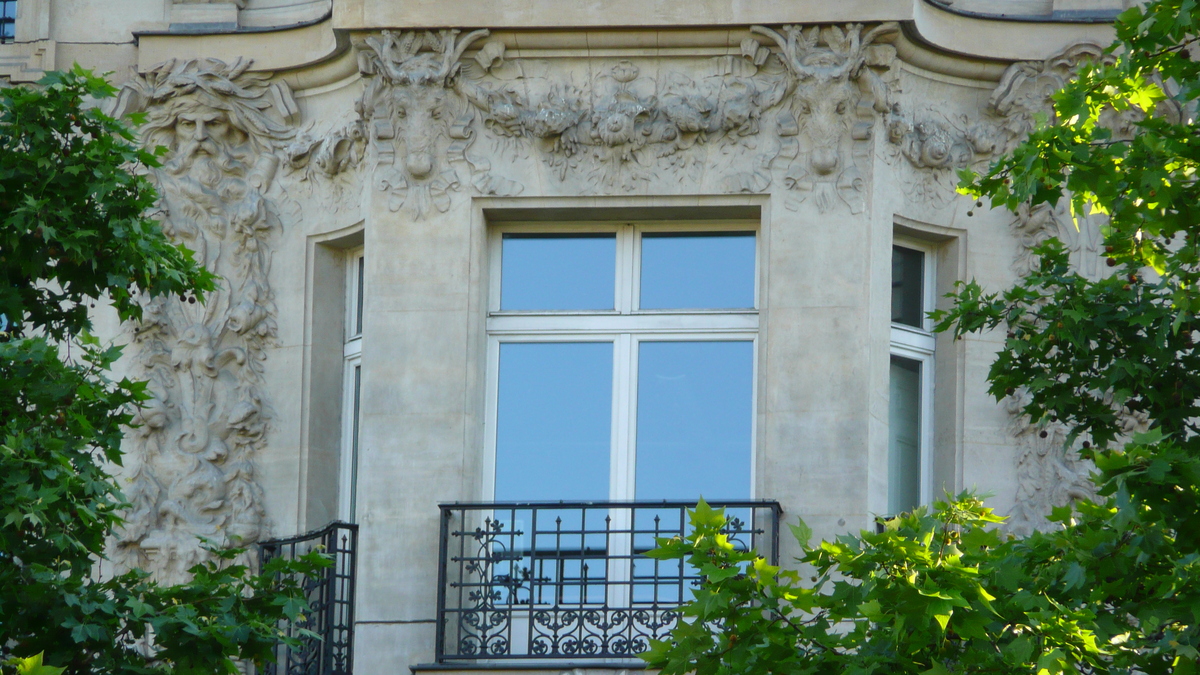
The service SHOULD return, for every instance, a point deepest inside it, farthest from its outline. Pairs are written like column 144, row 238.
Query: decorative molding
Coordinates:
column 1033, row 226
column 27, row 61
column 937, row 144
column 830, row 114
column 327, row 163
column 191, row 475
column 1050, row 473
column 1025, row 88
column 809, row 109
column 418, row 123
column 623, row 128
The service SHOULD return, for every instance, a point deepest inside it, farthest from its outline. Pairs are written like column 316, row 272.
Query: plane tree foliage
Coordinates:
column 1115, row 587
column 75, row 234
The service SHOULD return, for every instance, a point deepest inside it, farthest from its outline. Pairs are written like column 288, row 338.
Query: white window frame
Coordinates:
column 625, row 326
column 918, row 344
column 351, row 386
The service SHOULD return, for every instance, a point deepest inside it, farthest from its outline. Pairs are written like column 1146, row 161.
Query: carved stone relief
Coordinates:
column 1034, row 225
column 1050, row 473
column 937, row 144
column 326, row 164
column 723, row 124
column 1025, row 89
column 621, row 127
column 831, row 112
column 191, row 474
column 418, row 123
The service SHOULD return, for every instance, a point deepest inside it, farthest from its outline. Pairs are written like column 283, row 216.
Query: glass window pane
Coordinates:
column 694, row 420
column 554, row 421
column 558, row 271
column 360, row 273
column 353, row 515
column 908, row 282
column 904, row 436
column 710, row 270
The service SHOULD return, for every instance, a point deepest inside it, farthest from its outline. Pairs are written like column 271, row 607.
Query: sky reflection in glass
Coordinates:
column 712, row 270
column 694, row 420
column 557, row 272
column 554, row 420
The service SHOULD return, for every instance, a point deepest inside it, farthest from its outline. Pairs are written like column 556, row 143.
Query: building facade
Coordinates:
column 507, row 283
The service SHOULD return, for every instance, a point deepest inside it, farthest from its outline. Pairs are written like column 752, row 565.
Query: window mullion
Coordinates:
column 926, row 429
column 621, row 480
column 626, row 267
column 624, row 413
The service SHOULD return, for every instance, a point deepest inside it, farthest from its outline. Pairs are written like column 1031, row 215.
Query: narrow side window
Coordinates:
column 352, row 384
column 910, row 408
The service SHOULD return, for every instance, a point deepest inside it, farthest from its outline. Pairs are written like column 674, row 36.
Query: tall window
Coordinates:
column 8, row 20
column 351, row 385
column 621, row 362
column 910, row 414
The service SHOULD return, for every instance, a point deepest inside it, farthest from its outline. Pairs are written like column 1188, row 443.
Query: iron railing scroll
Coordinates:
column 570, row 581
column 331, row 604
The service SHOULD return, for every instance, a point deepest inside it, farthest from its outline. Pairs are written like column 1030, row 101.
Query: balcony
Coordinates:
column 329, row 650
column 569, row 581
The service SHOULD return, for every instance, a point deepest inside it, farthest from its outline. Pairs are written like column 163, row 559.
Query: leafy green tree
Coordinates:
column 1117, row 587
column 75, row 233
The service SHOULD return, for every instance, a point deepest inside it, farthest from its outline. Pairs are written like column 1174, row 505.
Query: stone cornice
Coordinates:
column 933, row 39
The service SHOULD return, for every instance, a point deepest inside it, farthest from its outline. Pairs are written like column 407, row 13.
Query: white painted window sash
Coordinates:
column 625, row 326
column 351, row 387
column 918, row 345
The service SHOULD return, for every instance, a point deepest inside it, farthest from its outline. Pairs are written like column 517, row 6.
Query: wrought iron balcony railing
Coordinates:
column 569, row 580
column 331, row 603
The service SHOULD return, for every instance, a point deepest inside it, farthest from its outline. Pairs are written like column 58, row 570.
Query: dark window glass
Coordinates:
column 354, row 444
column 709, row 270
column 908, row 280
column 360, row 272
column 904, row 436
column 554, row 421
column 558, row 272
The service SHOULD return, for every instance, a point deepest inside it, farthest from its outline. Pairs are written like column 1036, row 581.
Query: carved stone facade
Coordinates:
column 813, row 106
column 303, row 133
column 192, row 474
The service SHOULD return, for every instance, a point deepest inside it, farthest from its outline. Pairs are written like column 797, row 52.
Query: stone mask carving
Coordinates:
column 414, row 114
column 833, row 104
column 192, row 472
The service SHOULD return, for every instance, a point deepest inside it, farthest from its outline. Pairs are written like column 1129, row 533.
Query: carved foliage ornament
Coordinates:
column 417, row 121
column 937, row 143
column 835, row 98
column 192, row 475
column 819, row 98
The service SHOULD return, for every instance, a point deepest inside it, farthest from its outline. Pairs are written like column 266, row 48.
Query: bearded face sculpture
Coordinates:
column 192, row 477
